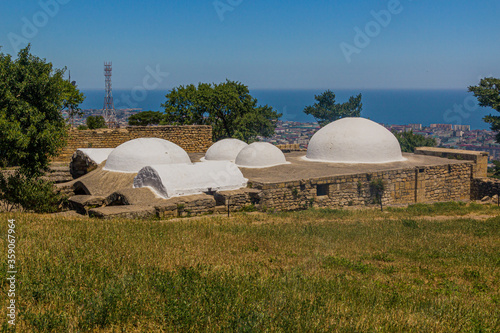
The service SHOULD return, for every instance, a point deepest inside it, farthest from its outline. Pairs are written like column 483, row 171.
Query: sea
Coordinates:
column 397, row 107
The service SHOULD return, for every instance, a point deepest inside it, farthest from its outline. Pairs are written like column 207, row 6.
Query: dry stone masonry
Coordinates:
column 193, row 139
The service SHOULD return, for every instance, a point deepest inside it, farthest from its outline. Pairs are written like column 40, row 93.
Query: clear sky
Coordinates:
column 362, row 44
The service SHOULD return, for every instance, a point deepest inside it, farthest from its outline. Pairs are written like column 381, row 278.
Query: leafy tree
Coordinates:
column 94, row 122
column 488, row 95
column 146, row 118
column 32, row 95
column 327, row 110
column 73, row 99
column 228, row 107
column 409, row 141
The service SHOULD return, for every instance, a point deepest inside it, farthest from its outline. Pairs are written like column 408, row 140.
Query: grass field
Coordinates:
column 425, row 268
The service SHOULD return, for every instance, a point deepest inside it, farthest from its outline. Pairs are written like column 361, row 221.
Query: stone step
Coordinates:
column 129, row 212
column 83, row 203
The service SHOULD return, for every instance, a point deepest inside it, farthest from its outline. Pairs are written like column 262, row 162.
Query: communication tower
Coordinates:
column 108, row 111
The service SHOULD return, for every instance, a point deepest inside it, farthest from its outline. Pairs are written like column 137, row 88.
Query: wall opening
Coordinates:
column 322, row 190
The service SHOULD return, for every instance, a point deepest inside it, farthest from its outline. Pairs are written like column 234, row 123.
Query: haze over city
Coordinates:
column 266, row 45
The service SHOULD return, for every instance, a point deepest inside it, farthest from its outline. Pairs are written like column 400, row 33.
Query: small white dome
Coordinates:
column 225, row 150
column 260, row 155
column 133, row 155
column 354, row 140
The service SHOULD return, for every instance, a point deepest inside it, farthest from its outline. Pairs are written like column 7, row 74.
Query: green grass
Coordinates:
column 427, row 268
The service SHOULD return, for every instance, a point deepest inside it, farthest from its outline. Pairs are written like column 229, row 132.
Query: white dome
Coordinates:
column 225, row 150
column 177, row 180
column 260, row 155
column 133, row 155
column 354, row 140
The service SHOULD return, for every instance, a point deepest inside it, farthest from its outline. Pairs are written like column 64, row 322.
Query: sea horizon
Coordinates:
column 388, row 106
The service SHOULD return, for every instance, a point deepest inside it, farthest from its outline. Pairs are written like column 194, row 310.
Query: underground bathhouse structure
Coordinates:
column 154, row 177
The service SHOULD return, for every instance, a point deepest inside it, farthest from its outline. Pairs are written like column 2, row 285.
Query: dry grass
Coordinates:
column 316, row 270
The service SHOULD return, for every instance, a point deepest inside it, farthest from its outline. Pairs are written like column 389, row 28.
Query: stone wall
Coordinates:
column 484, row 187
column 290, row 147
column 194, row 139
column 480, row 158
column 403, row 186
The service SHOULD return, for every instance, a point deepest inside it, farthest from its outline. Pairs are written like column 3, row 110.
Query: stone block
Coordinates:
column 130, row 212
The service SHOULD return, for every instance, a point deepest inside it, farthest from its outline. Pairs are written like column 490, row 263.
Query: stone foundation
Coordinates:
column 417, row 180
column 428, row 184
column 479, row 158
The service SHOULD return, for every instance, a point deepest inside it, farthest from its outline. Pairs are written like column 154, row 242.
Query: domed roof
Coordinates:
column 133, row 155
column 354, row 140
column 180, row 179
column 260, row 155
column 225, row 150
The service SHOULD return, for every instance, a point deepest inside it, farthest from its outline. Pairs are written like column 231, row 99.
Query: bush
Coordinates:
column 31, row 194
column 377, row 189
column 82, row 127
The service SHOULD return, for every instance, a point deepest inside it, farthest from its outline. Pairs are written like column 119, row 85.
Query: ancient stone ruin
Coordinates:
column 153, row 177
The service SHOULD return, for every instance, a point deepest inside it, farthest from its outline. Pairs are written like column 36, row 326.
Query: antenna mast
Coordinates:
column 108, row 111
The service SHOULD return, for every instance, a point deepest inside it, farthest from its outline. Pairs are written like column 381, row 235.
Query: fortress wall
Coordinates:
column 482, row 187
column 194, row 139
column 404, row 186
column 480, row 158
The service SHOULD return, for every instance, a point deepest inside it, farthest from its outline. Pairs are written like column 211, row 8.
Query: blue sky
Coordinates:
column 423, row 44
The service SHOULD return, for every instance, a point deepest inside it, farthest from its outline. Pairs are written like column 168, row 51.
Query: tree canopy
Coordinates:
column 228, row 107
column 95, row 122
column 409, row 141
column 32, row 95
column 488, row 95
column 73, row 100
column 327, row 110
column 146, row 118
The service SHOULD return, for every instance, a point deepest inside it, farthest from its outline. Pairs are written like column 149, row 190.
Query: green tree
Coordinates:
column 488, row 95
column 228, row 107
column 409, row 141
column 73, row 100
column 32, row 95
column 94, row 122
column 146, row 118
column 327, row 110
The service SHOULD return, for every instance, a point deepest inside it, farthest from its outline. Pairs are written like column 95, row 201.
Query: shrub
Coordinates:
column 377, row 189
column 31, row 194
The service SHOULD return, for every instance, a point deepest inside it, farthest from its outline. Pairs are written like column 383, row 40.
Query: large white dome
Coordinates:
column 225, row 150
column 260, row 155
column 354, row 140
column 133, row 155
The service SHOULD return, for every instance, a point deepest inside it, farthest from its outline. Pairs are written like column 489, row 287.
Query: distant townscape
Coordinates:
column 292, row 132
column 446, row 135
